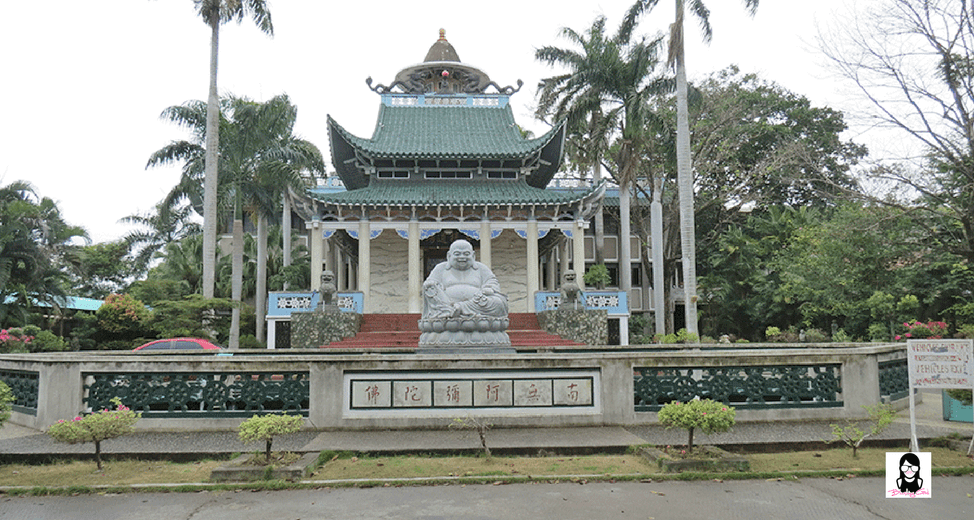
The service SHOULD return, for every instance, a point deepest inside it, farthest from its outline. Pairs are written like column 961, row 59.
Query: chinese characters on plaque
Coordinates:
column 474, row 392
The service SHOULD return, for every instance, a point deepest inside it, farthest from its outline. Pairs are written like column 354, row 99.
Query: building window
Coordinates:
column 439, row 174
column 502, row 175
column 397, row 174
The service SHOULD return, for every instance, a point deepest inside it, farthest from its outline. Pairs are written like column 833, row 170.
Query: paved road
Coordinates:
column 812, row 499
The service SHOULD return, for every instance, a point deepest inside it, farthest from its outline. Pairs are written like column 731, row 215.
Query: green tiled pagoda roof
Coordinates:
column 439, row 192
column 441, row 132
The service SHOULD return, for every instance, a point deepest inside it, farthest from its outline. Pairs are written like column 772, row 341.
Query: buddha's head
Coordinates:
column 461, row 256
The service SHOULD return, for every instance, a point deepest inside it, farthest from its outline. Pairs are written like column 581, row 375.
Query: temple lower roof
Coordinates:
column 453, row 193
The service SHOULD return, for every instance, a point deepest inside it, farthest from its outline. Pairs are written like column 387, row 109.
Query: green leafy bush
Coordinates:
column 964, row 396
column 597, row 276
column 266, row 427
column 47, row 341
column 6, row 400
column 122, row 317
column 879, row 332
column 705, row 414
column 96, row 427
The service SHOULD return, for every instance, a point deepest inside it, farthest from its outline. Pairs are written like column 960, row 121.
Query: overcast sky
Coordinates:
column 84, row 82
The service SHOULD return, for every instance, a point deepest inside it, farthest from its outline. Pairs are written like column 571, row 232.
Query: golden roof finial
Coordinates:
column 443, row 34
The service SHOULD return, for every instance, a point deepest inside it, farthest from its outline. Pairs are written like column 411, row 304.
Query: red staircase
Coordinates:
column 402, row 331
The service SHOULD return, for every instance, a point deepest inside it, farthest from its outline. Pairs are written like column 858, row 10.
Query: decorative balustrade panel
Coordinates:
column 894, row 380
column 201, row 394
column 25, row 387
column 798, row 386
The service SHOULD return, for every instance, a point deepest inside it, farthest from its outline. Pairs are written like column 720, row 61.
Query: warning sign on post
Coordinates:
column 941, row 363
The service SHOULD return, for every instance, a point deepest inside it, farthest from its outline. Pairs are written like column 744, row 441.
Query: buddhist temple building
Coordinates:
column 446, row 161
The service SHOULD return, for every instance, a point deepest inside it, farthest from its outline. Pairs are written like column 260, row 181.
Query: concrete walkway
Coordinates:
column 17, row 441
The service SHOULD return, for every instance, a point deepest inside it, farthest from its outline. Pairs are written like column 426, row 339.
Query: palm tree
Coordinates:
column 577, row 97
column 260, row 157
column 683, row 166
column 606, row 94
column 36, row 247
column 279, row 163
column 167, row 224
column 215, row 13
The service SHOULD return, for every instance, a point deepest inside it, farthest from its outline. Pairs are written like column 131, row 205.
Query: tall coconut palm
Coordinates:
column 606, row 95
column 215, row 13
column 683, row 164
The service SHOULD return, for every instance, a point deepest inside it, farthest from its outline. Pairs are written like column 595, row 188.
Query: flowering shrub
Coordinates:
column 919, row 330
column 96, row 427
column 705, row 414
column 14, row 340
column 266, row 427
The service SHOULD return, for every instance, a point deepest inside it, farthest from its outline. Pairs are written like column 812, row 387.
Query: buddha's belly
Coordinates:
column 460, row 292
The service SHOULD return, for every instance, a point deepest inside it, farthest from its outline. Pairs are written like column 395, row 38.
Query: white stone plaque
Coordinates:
column 409, row 394
column 532, row 392
column 371, row 394
column 452, row 393
column 493, row 392
column 572, row 392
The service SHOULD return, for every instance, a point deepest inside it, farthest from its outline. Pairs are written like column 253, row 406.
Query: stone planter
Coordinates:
column 712, row 459
column 237, row 471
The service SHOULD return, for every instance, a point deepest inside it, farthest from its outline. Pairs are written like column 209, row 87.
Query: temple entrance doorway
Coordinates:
column 436, row 247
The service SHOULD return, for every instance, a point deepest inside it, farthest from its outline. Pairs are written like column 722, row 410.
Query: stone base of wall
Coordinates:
column 316, row 328
column 590, row 327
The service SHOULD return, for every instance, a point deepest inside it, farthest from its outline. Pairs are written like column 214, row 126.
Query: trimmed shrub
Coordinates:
column 705, row 415
column 266, row 427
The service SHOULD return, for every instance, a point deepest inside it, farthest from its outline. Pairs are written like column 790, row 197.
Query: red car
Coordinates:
column 179, row 344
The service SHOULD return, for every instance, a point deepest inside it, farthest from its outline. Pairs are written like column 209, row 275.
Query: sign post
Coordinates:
column 938, row 363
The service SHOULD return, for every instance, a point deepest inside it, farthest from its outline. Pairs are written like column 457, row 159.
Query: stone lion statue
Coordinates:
column 327, row 289
column 571, row 294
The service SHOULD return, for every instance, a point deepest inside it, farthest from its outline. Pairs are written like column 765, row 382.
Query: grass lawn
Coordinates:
column 346, row 466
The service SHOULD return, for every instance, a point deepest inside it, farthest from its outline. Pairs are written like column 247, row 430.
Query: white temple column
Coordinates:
column 286, row 232
column 326, row 255
column 578, row 253
column 552, row 282
column 340, row 279
column 566, row 254
column 485, row 242
column 659, row 289
column 415, row 275
column 271, row 334
column 625, row 244
column 533, row 278
column 315, row 243
column 365, row 262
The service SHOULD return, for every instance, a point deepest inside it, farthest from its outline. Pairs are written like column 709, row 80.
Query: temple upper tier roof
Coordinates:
column 434, row 128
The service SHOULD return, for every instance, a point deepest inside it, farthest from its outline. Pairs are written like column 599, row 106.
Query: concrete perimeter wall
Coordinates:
column 398, row 390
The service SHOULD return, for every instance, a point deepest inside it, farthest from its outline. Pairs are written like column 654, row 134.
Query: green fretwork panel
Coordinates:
column 201, row 394
column 894, row 379
column 25, row 387
column 796, row 386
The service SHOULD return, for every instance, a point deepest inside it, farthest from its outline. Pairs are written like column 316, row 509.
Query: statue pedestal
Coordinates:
column 463, row 333
column 453, row 351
